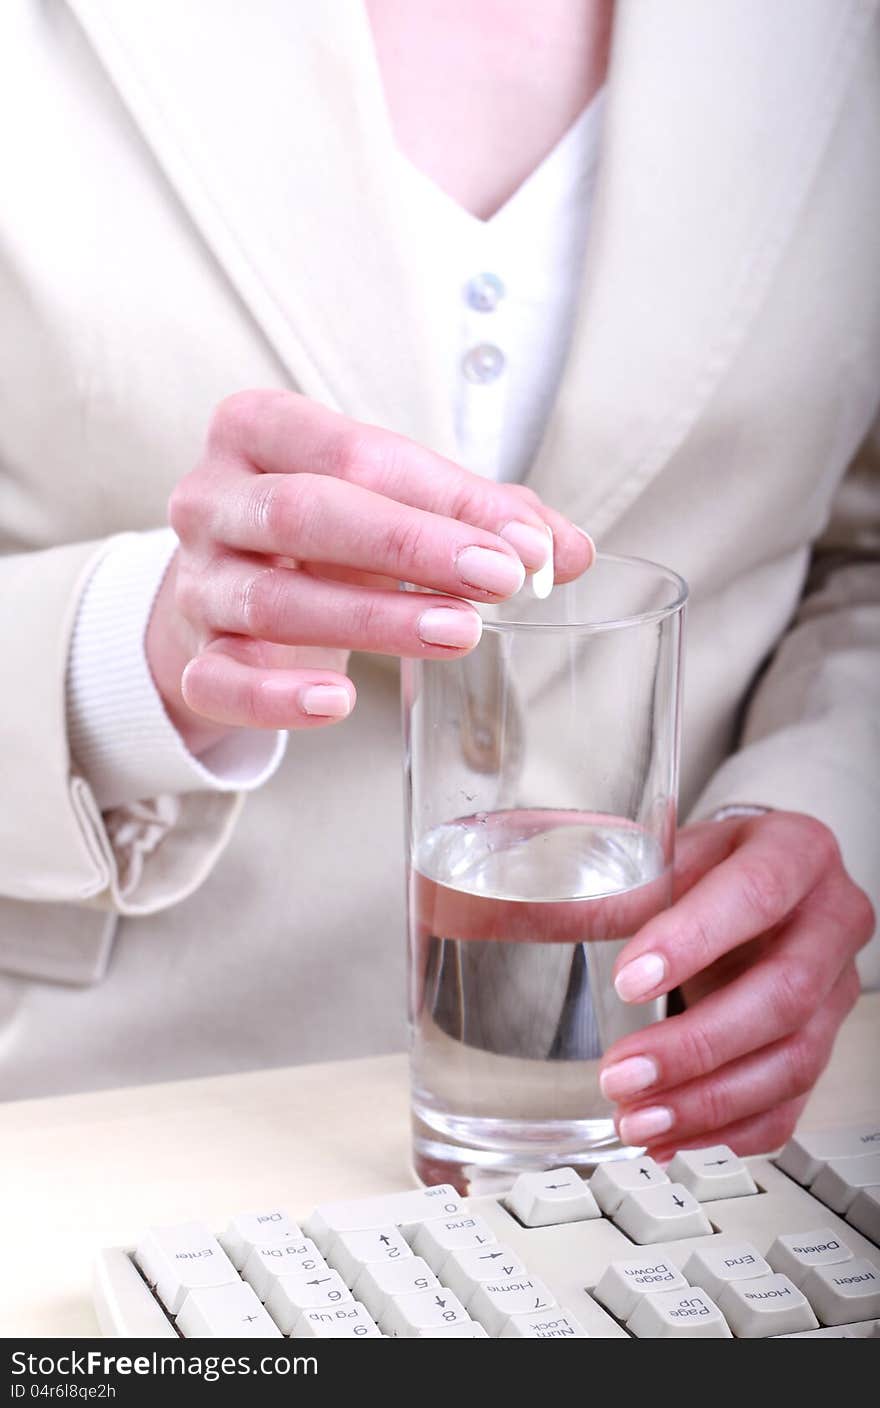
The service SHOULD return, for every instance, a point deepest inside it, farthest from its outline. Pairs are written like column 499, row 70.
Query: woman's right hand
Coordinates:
column 295, row 528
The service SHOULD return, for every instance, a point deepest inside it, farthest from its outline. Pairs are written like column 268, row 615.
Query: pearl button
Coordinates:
column 483, row 292
column 483, row 363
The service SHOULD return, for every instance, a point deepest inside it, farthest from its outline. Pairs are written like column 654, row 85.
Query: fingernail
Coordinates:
column 640, row 977
column 628, row 1077
column 643, row 1125
column 585, row 534
column 490, row 571
column 543, row 579
column 187, row 671
column 329, row 700
column 444, row 625
column 531, row 543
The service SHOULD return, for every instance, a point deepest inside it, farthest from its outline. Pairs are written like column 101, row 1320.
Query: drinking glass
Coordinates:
column 541, row 789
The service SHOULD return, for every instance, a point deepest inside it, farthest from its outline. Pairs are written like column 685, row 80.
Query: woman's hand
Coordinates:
column 761, row 938
column 295, row 529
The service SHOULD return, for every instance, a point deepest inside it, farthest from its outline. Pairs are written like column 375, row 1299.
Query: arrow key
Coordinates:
column 661, row 1214
column 543, row 1199
column 348, row 1252
column 465, row 1270
column 612, row 1181
column 712, row 1173
column 408, row 1316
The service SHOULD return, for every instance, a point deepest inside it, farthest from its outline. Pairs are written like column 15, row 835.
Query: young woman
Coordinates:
column 490, row 267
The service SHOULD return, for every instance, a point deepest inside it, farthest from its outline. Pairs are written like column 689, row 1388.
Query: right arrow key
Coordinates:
column 712, row 1173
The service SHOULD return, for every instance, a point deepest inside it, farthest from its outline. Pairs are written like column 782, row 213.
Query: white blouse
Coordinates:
column 510, row 285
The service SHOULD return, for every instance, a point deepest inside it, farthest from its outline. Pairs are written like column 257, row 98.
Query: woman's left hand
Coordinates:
column 761, row 938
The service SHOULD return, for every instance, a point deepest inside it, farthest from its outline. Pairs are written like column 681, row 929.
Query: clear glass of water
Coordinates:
column 541, row 785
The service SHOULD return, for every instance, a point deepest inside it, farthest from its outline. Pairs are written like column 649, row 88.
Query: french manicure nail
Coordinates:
column 628, row 1077
column 331, row 701
column 643, row 1125
column 584, row 534
column 543, row 579
column 637, row 979
column 445, row 625
column 490, row 571
column 532, row 544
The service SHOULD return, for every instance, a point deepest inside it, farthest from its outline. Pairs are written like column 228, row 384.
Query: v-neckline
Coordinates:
column 550, row 158
column 576, row 148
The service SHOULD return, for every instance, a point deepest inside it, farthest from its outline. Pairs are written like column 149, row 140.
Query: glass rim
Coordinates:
column 615, row 623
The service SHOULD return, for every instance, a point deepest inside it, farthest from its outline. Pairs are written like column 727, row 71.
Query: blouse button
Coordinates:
column 483, row 363
column 483, row 292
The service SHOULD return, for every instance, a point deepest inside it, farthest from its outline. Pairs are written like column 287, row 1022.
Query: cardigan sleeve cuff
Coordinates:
column 124, row 743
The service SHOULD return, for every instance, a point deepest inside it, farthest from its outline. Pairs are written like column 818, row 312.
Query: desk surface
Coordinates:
column 84, row 1171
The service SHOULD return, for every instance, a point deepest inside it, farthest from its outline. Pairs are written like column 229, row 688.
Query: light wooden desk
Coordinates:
column 85, row 1171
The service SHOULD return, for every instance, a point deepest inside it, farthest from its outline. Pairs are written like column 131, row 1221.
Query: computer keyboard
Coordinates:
column 712, row 1247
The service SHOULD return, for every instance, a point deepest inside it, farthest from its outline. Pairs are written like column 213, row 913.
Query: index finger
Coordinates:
column 279, row 432
column 776, row 864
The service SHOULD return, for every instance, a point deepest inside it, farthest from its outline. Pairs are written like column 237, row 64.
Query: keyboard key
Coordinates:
column 494, row 1302
column 468, row 1267
column 544, row 1199
column 623, row 1283
column 383, row 1281
column 841, row 1294
column 407, row 1316
column 351, row 1321
column 393, row 1210
column 467, row 1330
column 266, row 1264
column 179, row 1259
column 803, row 1157
column 545, row 1325
column 772, row 1305
column 796, row 1253
column 435, row 1240
column 865, row 1331
column 713, row 1267
column 611, row 1182
column 350, row 1251
column 678, row 1315
column 863, row 1214
column 838, row 1182
column 712, row 1173
column 257, row 1229
column 661, row 1214
column 290, row 1295
column 226, row 1312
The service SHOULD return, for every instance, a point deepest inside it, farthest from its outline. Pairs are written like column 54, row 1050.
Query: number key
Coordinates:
column 407, row 1316
column 349, row 1251
column 494, row 1302
column 383, row 1281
